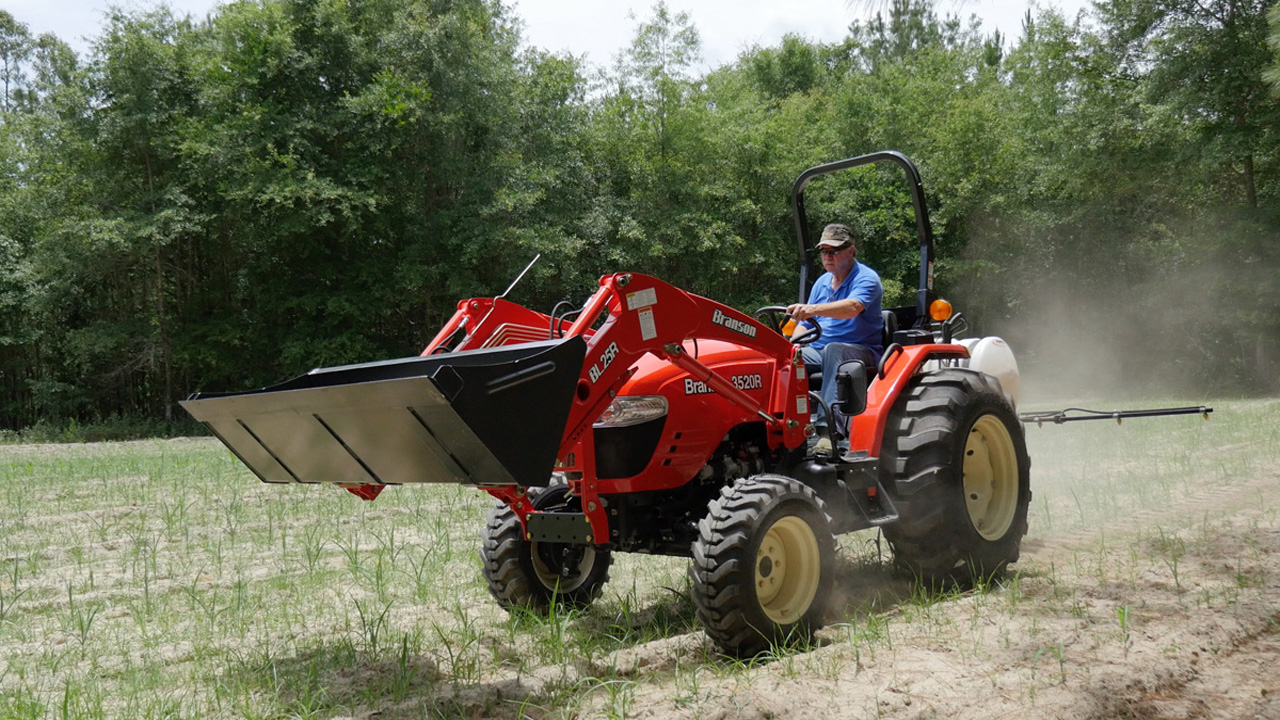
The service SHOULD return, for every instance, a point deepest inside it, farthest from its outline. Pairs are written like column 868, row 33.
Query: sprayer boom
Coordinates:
column 1058, row 417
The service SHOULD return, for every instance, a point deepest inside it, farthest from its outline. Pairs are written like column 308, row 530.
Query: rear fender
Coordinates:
column 897, row 369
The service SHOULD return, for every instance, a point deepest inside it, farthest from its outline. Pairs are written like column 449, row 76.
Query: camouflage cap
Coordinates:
column 836, row 235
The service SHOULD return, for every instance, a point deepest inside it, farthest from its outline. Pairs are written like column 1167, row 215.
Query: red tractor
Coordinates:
column 653, row 420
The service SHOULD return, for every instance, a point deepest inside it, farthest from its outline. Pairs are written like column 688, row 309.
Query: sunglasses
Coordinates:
column 829, row 252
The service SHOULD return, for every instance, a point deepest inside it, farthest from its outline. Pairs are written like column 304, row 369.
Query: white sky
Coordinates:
column 599, row 28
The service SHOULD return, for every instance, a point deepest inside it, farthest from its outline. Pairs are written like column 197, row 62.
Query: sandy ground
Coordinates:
column 1096, row 625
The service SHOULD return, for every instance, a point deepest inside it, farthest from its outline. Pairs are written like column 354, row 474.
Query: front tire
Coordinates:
column 955, row 458
column 763, row 563
column 531, row 575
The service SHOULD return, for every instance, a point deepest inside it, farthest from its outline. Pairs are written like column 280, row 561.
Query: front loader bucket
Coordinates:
column 482, row 417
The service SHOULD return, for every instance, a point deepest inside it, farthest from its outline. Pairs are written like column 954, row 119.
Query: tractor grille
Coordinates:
column 626, row 451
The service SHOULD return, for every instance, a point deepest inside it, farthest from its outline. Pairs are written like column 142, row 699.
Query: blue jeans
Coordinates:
column 828, row 360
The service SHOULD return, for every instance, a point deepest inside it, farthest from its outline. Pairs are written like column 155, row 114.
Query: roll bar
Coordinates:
column 923, row 228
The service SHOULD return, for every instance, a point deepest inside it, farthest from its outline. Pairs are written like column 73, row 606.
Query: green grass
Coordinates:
column 160, row 579
column 1090, row 474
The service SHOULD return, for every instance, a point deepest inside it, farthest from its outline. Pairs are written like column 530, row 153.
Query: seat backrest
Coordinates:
column 890, row 326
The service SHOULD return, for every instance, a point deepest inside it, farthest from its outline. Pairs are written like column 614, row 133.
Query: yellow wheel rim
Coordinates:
column 990, row 477
column 788, row 569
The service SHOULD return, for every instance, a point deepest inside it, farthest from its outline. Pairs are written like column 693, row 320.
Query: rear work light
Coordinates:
column 628, row 410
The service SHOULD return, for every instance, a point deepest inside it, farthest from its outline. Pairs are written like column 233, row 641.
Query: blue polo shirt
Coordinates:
column 863, row 285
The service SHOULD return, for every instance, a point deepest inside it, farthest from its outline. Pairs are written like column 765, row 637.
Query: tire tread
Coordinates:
column 933, row 537
column 722, row 555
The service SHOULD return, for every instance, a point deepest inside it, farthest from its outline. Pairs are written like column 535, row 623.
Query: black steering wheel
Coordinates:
column 776, row 317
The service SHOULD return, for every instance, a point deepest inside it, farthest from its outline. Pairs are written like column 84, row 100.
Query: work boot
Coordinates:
column 823, row 445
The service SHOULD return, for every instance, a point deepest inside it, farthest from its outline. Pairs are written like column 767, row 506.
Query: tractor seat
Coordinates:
column 890, row 327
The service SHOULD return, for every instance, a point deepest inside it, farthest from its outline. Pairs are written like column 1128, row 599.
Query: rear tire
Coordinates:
column 955, row 459
column 763, row 564
column 525, row 574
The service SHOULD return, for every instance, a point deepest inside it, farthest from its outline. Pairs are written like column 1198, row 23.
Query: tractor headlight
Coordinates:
column 628, row 410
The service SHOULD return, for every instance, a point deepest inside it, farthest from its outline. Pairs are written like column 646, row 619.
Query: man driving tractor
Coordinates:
column 845, row 301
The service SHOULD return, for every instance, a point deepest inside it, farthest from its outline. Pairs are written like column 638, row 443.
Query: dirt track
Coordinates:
column 1171, row 613
column 1053, row 643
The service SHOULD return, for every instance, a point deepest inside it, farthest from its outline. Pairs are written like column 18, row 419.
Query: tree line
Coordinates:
column 221, row 203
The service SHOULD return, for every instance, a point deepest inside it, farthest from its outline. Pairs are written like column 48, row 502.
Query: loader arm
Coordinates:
column 640, row 314
column 480, row 323
column 634, row 315
column 628, row 316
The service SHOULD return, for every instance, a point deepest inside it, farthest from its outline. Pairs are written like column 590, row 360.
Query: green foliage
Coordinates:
column 286, row 184
column 15, row 48
column 1272, row 73
column 792, row 68
column 110, row 429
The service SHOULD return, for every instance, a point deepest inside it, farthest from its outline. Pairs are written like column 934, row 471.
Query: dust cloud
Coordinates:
column 1087, row 332
column 1103, row 323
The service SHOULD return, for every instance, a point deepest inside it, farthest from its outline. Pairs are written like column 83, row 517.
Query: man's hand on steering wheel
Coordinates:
column 802, row 313
column 778, row 317
column 807, row 336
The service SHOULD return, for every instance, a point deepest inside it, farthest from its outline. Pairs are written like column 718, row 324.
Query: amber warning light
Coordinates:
column 940, row 310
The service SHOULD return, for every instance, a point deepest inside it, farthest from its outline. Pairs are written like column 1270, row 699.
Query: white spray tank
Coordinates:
column 993, row 356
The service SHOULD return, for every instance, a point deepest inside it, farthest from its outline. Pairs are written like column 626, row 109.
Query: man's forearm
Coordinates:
column 840, row 310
